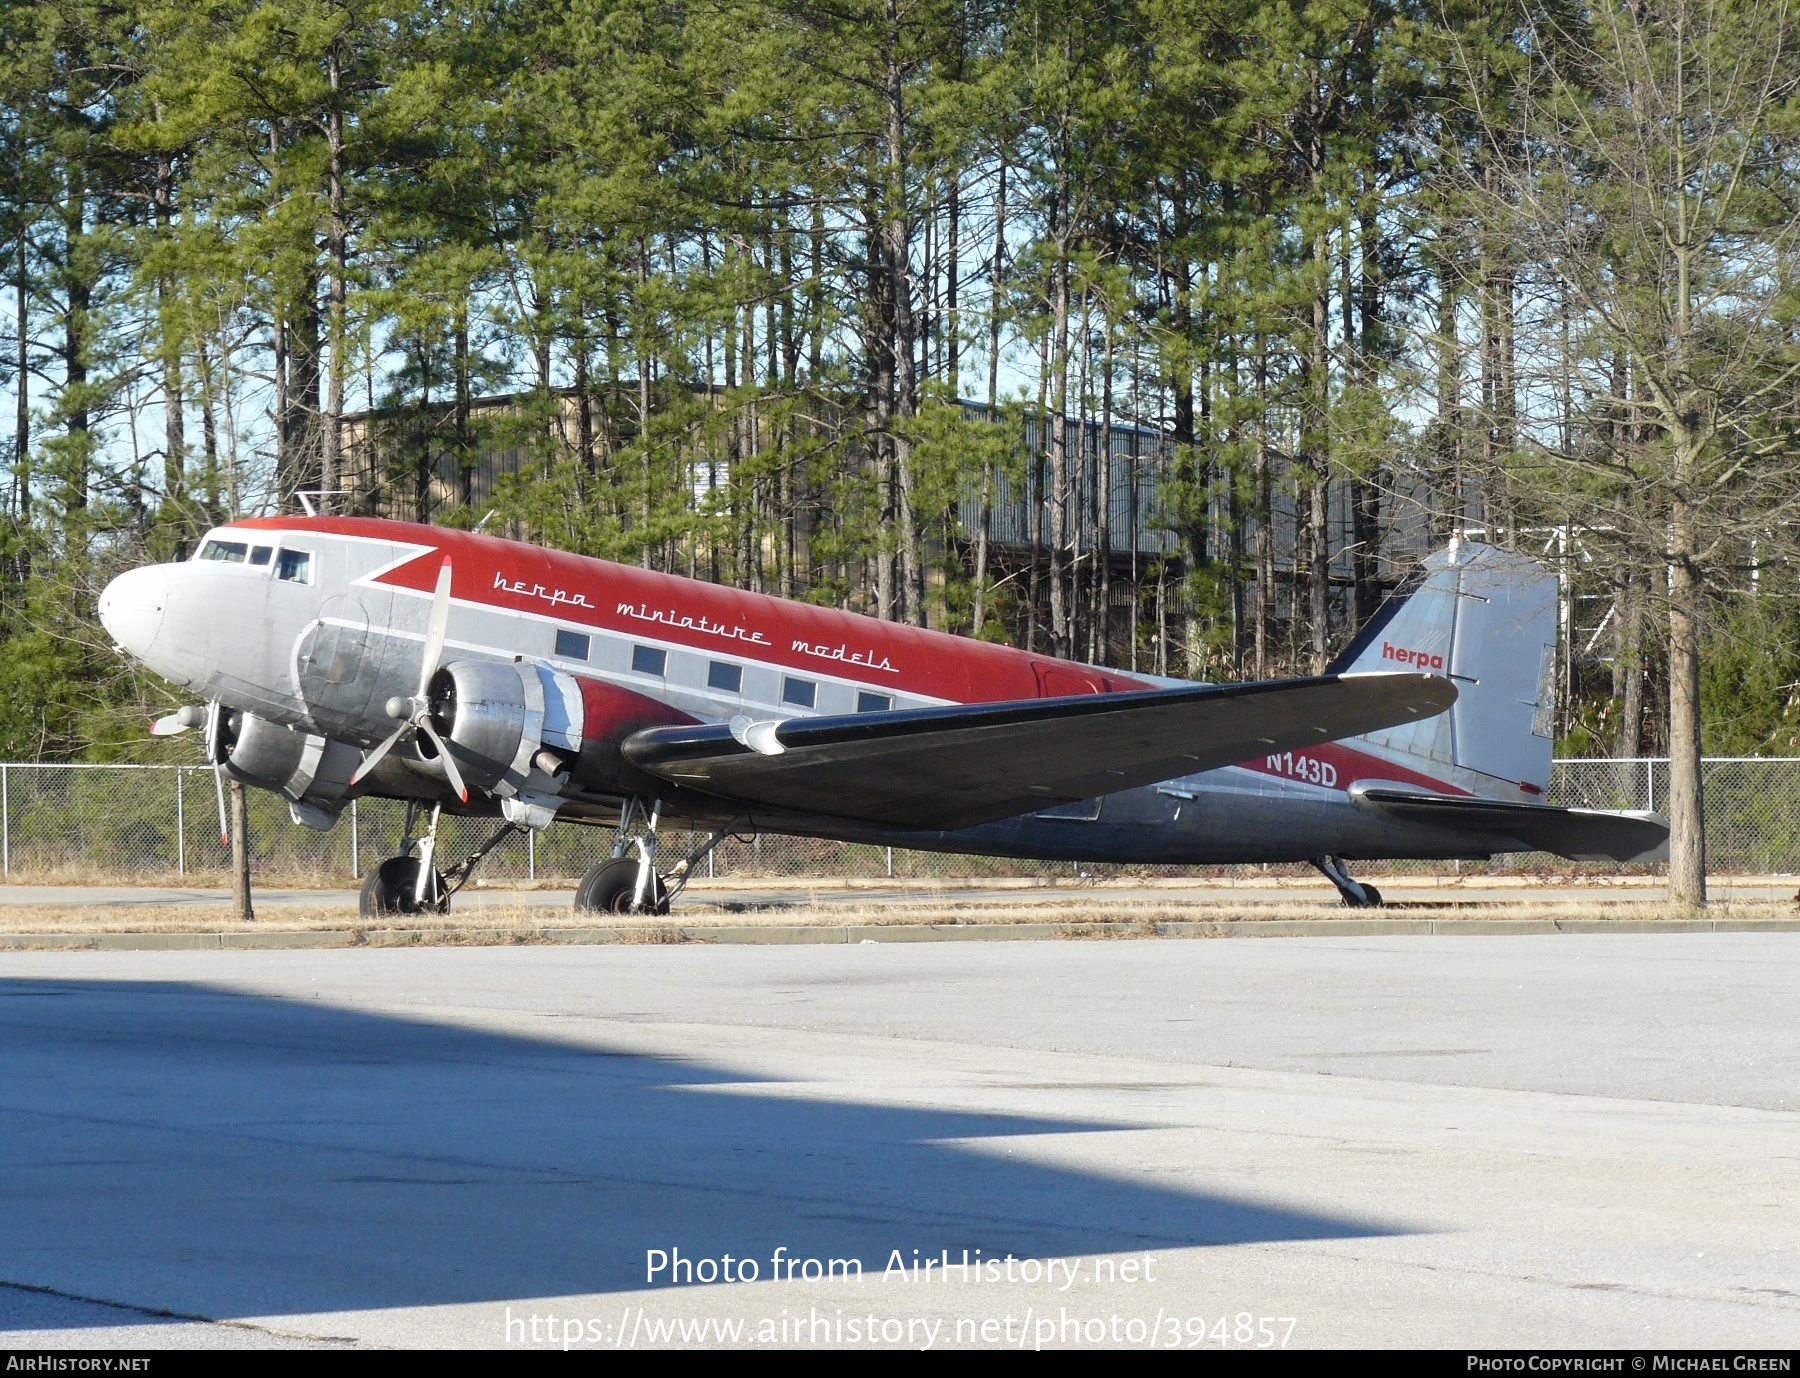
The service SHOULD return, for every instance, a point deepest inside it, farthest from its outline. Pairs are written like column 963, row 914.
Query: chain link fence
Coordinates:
column 159, row 825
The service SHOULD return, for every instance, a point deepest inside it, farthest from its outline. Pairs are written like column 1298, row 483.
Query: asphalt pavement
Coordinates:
column 1568, row 1140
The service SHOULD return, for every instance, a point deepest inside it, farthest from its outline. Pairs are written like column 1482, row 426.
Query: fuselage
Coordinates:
column 317, row 623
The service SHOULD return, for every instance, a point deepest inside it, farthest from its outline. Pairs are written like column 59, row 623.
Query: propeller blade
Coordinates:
column 456, row 780
column 435, row 630
column 224, row 823
column 374, row 757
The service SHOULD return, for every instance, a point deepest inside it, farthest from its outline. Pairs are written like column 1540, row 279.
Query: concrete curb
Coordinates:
column 787, row 934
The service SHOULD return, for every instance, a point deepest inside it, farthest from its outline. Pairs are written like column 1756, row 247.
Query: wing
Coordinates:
column 1579, row 834
column 955, row 767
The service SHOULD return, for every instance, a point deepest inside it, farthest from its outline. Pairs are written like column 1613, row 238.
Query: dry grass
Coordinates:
column 518, row 922
column 1085, row 912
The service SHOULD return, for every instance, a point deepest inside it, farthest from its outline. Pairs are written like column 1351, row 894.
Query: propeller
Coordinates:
column 215, row 720
column 415, row 712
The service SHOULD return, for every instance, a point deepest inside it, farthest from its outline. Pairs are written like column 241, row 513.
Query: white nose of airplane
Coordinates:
column 131, row 608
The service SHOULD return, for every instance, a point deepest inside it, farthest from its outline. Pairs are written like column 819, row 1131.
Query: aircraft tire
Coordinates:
column 1373, row 900
column 388, row 890
column 608, row 888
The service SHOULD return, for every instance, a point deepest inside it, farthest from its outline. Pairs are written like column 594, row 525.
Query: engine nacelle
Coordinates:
column 528, row 733
column 311, row 772
column 513, row 730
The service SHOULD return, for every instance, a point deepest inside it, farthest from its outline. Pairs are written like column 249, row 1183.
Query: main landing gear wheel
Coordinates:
column 390, row 887
column 609, row 888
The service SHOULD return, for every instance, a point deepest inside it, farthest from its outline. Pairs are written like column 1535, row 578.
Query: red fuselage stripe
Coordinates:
column 585, row 592
column 1334, row 765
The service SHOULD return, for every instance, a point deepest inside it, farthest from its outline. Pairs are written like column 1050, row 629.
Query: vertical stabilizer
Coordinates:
column 1487, row 618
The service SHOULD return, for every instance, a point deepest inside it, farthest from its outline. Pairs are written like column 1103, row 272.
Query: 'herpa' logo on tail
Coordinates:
column 1422, row 660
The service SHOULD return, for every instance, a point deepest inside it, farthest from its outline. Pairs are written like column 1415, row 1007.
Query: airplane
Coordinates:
column 466, row 674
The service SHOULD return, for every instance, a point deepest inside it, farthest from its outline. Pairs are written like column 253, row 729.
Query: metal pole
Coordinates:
column 355, row 858
column 180, row 826
column 890, row 863
column 531, row 854
column 5, row 823
column 1650, row 784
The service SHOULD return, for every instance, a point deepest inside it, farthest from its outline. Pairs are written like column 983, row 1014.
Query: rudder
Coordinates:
column 1486, row 617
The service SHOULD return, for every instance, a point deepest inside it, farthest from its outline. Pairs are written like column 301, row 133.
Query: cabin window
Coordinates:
column 259, row 554
column 867, row 702
column 571, row 645
column 648, row 660
column 295, row 566
column 725, row 677
column 232, row 552
column 802, row 693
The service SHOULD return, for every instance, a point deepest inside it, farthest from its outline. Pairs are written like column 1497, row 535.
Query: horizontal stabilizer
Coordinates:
column 1497, row 826
column 966, row 764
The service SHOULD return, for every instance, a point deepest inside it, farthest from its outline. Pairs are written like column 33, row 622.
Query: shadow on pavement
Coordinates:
column 219, row 1154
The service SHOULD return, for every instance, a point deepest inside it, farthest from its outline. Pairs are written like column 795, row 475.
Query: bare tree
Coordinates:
column 1647, row 171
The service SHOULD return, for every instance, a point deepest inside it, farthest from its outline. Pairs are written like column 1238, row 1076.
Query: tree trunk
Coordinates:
column 209, row 428
column 1365, row 491
column 75, row 343
column 465, row 442
column 953, row 330
column 979, row 608
column 1687, row 833
column 898, row 231
column 240, row 853
column 1265, row 516
column 1060, row 629
column 584, row 407
column 1630, row 660
column 303, row 390
column 1316, row 463
column 878, row 337
column 646, row 361
column 1103, row 514
column 331, row 435
column 1447, row 451
column 22, row 404
column 424, row 461
column 174, row 404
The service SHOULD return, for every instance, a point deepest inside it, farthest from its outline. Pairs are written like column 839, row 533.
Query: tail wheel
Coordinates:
column 390, row 887
column 609, row 887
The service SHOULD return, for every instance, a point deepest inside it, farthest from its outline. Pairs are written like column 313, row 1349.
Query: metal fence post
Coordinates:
column 180, row 826
column 1650, row 784
column 531, row 854
column 355, row 859
column 5, row 823
column 890, row 863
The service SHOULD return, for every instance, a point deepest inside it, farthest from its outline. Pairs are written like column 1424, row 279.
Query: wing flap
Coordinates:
column 1579, row 834
column 966, row 764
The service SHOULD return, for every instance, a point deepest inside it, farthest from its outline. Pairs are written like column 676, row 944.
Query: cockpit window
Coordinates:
column 259, row 554
column 232, row 552
column 295, row 566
